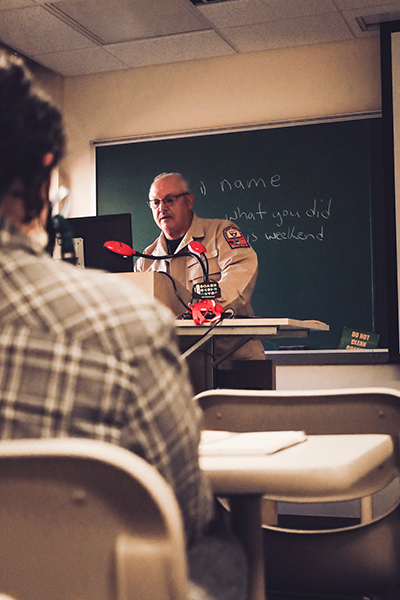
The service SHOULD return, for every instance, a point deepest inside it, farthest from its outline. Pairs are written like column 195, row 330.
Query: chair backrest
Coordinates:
column 87, row 519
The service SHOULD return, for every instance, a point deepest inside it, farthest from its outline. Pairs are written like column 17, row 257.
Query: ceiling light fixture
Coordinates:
column 69, row 20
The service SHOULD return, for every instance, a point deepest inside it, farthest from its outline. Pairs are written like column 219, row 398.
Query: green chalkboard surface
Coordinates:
column 307, row 198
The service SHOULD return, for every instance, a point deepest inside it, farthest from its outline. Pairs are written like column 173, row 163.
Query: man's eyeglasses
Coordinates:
column 168, row 201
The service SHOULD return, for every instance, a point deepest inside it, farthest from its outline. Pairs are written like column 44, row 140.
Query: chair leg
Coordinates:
column 246, row 523
column 269, row 512
column 366, row 513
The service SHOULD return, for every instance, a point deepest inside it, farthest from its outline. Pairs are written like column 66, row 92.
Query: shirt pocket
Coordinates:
column 214, row 271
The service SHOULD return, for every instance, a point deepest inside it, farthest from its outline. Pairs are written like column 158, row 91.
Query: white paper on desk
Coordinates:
column 220, row 443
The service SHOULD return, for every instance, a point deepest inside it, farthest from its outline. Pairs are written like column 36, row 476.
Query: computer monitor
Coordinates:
column 91, row 233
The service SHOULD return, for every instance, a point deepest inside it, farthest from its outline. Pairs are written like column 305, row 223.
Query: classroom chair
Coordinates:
column 87, row 519
column 358, row 560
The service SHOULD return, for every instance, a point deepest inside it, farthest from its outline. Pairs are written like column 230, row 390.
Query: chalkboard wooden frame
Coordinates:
column 110, row 199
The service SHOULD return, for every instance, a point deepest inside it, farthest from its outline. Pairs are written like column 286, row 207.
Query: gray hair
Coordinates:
column 173, row 174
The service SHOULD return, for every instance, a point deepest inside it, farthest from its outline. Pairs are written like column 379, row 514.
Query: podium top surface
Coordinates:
column 252, row 326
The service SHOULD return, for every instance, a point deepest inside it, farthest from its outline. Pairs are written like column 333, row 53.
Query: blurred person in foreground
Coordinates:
column 78, row 359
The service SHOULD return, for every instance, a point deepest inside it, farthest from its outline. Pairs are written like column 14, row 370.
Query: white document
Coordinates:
column 220, row 443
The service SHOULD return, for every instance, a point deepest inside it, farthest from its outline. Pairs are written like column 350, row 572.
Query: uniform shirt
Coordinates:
column 232, row 262
column 86, row 354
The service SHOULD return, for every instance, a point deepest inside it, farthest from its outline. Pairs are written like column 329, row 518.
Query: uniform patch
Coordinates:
column 235, row 238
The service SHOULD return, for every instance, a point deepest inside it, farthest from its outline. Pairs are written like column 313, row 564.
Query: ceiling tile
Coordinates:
column 80, row 62
column 291, row 32
column 74, row 37
column 9, row 4
column 123, row 20
column 365, row 4
column 248, row 12
column 189, row 46
column 35, row 31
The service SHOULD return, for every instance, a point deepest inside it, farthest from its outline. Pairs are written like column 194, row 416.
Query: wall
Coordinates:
column 316, row 377
column 50, row 82
column 53, row 85
column 291, row 83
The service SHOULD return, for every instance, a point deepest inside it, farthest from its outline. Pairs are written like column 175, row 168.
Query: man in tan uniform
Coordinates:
column 232, row 262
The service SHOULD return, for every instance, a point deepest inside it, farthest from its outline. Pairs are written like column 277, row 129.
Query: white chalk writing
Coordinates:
column 292, row 223
column 227, row 185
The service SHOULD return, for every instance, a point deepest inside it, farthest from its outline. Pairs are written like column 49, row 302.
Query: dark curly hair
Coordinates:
column 30, row 127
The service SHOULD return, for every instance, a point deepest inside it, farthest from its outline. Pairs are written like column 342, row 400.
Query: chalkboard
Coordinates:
column 307, row 197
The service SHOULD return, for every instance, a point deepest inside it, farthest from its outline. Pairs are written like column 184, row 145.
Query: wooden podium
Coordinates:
column 159, row 286
column 198, row 348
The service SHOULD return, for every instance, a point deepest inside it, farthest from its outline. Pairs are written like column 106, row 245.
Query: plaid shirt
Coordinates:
column 86, row 354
